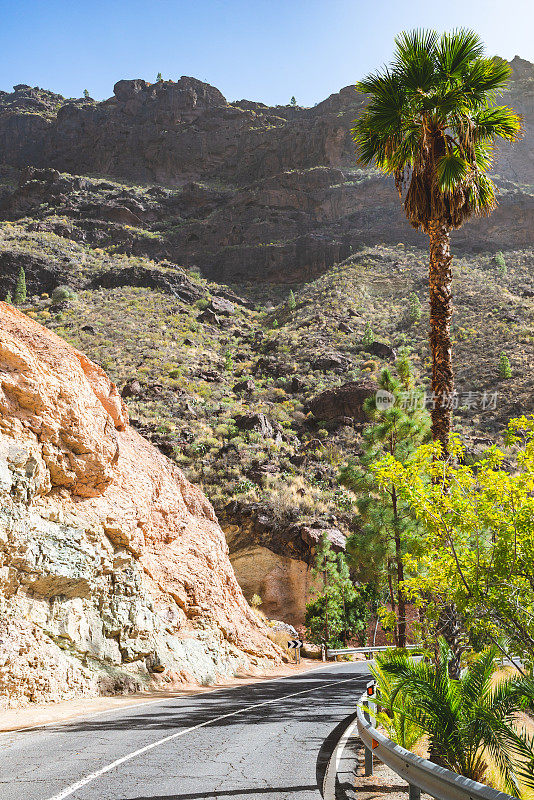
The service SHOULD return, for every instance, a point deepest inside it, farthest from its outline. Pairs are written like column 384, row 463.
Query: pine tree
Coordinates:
column 415, row 309
column 388, row 530
column 291, row 302
column 505, row 370
column 8, row 299
column 20, row 289
column 293, row 101
column 159, row 78
column 340, row 611
column 368, row 335
column 86, row 94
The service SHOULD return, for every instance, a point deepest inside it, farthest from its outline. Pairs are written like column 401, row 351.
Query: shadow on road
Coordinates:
column 191, row 711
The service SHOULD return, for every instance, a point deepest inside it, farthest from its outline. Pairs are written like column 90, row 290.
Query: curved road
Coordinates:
column 264, row 741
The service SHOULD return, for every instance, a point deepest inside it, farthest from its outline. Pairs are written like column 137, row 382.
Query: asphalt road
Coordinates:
column 264, row 741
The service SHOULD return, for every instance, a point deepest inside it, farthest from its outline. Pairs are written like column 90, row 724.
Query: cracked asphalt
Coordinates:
column 267, row 740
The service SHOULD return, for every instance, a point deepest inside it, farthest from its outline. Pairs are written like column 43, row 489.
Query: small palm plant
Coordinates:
column 431, row 122
column 469, row 720
column 394, row 714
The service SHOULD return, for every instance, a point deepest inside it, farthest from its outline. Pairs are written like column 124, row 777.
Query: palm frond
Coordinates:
column 484, row 78
column 510, row 694
column 483, row 194
column 512, row 751
column 475, row 685
column 496, row 121
column 451, row 171
column 414, row 61
column 456, row 50
column 494, row 736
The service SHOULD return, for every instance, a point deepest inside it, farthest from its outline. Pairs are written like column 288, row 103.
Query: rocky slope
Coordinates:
column 257, row 193
column 113, row 569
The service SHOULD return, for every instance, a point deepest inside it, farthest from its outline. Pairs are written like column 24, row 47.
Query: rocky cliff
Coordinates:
column 252, row 192
column 113, row 569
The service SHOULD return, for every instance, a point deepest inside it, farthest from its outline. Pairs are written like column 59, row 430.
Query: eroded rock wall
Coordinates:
column 113, row 568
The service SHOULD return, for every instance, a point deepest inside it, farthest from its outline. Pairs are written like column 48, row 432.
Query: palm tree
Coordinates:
column 469, row 719
column 431, row 122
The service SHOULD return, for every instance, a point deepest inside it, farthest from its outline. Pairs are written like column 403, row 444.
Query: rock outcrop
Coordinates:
column 273, row 559
column 343, row 402
column 113, row 568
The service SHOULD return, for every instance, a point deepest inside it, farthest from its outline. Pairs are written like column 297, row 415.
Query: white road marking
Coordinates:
column 143, row 703
column 329, row 786
column 94, row 775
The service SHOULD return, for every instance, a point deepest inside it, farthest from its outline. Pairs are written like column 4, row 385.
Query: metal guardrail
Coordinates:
column 347, row 651
column 419, row 773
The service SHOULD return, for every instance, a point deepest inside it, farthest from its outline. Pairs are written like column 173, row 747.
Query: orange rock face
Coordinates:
column 107, row 553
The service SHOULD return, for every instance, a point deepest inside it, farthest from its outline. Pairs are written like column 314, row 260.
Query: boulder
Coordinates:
column 244, row 387
column 209, row 316
column 220, row 305
column 331, row 361
column 314, row 535
column 255, row 422
column 296, row 385
column 343, row 401
column 132, row 388
column 380, row 350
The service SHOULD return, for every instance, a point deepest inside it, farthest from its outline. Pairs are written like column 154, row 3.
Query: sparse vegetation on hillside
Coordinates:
column 186, row 368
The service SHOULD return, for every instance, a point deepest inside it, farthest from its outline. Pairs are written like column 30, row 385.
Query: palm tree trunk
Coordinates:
column 440, row 280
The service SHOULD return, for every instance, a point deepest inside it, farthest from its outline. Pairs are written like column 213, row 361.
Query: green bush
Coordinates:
column 62, row 293
column 368, row 335
column 501, row 263
column 20, row 289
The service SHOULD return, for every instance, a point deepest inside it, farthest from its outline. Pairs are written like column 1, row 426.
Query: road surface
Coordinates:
column 264, row 741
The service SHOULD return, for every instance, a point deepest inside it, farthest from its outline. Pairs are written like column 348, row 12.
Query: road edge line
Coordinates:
column 330, row 778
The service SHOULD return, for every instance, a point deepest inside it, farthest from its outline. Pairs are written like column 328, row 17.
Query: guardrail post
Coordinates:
column 415, row 792
column 367, row 752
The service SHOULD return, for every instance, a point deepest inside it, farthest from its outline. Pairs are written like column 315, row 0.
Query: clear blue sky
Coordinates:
column 264, row 50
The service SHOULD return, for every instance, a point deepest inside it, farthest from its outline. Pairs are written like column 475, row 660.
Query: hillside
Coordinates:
column 224, row 386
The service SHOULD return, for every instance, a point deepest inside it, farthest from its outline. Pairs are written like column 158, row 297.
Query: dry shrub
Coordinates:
column 281, row 638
